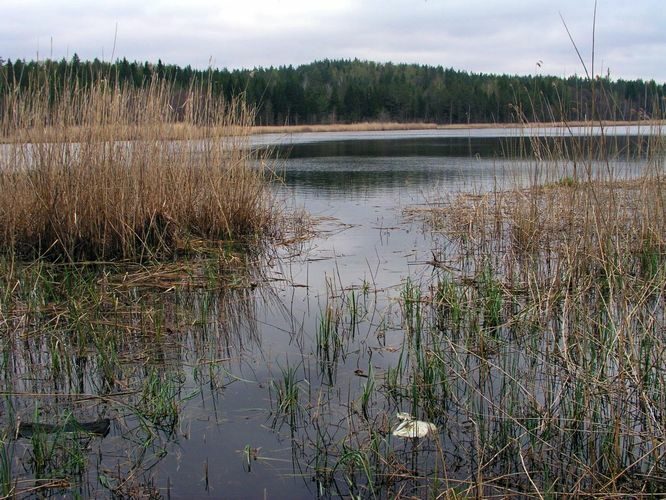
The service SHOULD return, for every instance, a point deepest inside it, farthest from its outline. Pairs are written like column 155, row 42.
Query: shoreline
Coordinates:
column 178, row 131
column 387, row 126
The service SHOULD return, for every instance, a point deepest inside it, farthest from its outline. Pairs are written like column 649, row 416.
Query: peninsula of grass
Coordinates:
column 110, row 172
column 407, row 126
column 545, row 322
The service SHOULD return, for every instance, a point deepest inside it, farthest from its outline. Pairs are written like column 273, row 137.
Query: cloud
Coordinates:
column 482, row 36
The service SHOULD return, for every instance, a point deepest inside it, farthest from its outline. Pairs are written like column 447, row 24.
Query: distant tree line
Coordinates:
column 344, row 91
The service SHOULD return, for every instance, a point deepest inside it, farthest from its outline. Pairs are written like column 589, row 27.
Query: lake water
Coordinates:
column 356, row 187
column 356, row 190
column 227, row 370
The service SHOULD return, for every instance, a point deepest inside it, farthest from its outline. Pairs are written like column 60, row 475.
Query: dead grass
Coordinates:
column 555, row 235
column 557, row 290
column 582, row 204
column 108, row 172
column 385, row 126
column 175, row 131
column 557, row 214
column 342, row 127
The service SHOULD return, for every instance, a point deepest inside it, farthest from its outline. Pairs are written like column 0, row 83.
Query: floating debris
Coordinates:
column 100, row 427
column 411, row 428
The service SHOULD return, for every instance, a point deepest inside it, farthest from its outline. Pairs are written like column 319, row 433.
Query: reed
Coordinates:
column 109, row 172
column 6, row 459
column 545, row 318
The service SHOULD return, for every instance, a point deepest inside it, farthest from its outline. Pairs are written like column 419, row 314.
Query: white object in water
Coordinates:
column 411, row 428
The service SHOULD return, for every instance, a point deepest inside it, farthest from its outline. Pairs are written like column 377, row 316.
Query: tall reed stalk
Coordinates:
column 558, row 355
column 110, row 172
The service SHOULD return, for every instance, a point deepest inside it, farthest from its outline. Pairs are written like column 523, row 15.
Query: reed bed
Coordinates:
column 536, row 346
column 544, row 339
column 342, row 127
column 108, row 172
column 129, row 345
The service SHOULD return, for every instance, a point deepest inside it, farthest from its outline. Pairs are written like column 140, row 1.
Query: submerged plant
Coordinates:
column 287, row 395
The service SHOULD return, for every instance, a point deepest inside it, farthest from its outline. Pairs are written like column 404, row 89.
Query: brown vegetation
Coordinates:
column 110, row 172
column 386, row 126
column 557, row 290
column 342, row 127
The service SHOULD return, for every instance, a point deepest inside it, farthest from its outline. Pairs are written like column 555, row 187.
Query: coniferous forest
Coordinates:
column 347, row 91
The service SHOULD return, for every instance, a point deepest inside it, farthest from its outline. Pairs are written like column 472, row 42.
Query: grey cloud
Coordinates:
column 482, row 36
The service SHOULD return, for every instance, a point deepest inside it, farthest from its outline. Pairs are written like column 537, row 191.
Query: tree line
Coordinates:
column 345, row 91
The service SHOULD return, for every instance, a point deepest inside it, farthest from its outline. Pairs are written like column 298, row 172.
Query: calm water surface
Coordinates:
column 356, row 186
column 356, row 189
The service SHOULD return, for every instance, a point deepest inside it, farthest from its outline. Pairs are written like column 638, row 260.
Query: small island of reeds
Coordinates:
column 106, row 171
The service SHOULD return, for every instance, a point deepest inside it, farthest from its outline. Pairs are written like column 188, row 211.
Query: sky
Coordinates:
column 493, row 36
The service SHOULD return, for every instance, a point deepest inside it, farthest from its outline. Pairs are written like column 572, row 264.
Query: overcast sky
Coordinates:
column 493, row 36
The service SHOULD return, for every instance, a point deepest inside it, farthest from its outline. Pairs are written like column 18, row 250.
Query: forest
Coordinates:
column 349, row 91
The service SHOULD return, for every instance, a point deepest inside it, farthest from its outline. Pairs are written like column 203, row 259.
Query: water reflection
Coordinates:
column 417, row 165
column 359, row 177
column 402, row 147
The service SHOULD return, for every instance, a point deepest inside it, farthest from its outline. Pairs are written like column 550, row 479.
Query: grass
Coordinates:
column 89, row 175
column 287, row 396
column 329, row 338
column 158, row 403
column 535, row 346
column 545, row 322
column 337, row 326
column 386, row 126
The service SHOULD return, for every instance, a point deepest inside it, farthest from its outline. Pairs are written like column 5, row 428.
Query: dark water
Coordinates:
column 227, row 367
column 358, row 189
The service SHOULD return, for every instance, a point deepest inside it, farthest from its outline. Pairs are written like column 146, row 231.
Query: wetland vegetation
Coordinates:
column 168, row 330
column 88, row 175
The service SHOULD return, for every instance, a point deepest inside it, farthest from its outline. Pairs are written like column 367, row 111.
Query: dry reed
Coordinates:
column 388, row 126
column 579, row 223
column 557, row 287
column 109, row 172
column 342, row 127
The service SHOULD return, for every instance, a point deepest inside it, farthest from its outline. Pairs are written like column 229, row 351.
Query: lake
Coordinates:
column 270, row 387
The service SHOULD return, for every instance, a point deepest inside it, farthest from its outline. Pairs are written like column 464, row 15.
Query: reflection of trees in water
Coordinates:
column 353, row 183
column 521, row 146
column 444, row 147
column 367, row 166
